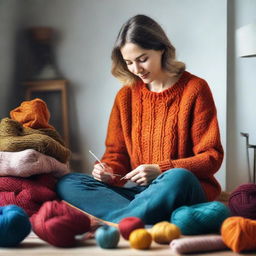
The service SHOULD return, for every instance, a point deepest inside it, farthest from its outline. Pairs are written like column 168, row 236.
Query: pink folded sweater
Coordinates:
column 30, row 162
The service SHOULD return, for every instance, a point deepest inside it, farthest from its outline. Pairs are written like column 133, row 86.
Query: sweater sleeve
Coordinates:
column 207, row 150
column 116, row 155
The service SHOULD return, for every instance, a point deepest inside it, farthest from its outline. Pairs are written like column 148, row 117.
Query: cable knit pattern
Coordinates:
column 176, row 128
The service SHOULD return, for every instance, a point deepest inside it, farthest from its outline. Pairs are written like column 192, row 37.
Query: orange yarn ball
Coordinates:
column 164, row 232
column 238, row 233
column 140, row 239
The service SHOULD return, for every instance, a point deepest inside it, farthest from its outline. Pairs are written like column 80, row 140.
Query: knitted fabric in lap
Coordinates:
column 33, row 114
column 28, row 193
column 14, row 137
column 30, row 162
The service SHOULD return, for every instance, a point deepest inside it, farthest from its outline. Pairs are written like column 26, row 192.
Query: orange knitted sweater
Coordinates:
column 176, row 128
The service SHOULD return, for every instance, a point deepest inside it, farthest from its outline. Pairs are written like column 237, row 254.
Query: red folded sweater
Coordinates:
column 28, row 193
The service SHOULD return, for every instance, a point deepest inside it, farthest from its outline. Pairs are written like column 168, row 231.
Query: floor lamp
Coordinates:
column 246, row 47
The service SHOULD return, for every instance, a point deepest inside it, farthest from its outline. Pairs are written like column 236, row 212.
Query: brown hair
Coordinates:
column 148, row 34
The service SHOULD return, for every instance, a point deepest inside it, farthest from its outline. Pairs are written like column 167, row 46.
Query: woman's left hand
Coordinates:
column 144, row 174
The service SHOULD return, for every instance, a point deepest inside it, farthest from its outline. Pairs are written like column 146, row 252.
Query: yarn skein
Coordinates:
column 140, row 239
column 14, row 225
column 128, row 224
column 58, row 224
column 164, row 232
column 238, row 233
column 200, row 218
column 107, row 237
column 197, row 244
column 242, row 201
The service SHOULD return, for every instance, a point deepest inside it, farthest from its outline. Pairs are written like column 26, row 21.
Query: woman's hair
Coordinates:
column 148, row 34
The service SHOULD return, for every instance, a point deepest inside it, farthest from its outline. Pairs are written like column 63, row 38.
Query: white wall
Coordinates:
column 86, row 32
column 241, row 96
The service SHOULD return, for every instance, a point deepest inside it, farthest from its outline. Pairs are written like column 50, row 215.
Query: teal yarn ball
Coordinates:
column 200, row 218
column 107, row 237
column 14, row 225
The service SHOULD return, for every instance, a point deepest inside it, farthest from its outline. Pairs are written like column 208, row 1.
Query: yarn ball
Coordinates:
column 58, row 223
column 128, row 224
column 238, row 233
column 197, row 244
column 242, row 201
column 140, row 239
column 14, row 225
column 107, row 237
column 164, row 232
column 200, row 218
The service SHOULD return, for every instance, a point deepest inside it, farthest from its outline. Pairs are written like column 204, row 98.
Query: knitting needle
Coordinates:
column 97, row 159
column 114, row 174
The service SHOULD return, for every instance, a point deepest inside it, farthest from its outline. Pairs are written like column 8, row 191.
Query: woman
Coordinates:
column 163, row 135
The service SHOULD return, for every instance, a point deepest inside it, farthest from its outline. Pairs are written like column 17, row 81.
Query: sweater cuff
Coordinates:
column 165, row 165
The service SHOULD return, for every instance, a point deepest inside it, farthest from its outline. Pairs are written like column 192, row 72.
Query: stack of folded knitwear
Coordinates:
column 32, row 157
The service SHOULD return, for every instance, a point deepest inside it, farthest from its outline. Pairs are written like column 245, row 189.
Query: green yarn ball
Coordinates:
column 200, row 218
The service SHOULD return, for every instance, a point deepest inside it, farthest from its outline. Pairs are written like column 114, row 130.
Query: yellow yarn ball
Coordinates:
column 140, row 239
column 164, row 232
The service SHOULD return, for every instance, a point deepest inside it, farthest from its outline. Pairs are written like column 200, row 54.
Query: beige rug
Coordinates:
column 33, row 246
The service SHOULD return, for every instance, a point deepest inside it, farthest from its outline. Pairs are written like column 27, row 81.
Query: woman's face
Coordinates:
column 146, row 64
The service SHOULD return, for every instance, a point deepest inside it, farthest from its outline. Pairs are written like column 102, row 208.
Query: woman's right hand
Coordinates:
column 103, row 172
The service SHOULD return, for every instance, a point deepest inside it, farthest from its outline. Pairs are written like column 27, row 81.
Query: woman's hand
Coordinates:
column 103, row 173
column 144, row 174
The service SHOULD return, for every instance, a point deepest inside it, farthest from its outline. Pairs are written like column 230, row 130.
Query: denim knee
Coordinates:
column 178, row 177
column 180, row 173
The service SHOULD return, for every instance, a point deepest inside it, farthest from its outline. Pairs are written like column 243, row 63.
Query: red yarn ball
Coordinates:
column 242, row 201
column 127, row 225
column 58, row 224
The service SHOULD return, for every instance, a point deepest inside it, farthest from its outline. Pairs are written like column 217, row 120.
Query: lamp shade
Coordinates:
column 246, row 41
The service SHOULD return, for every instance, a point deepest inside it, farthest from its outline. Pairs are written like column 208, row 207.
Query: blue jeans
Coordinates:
column 152, row 203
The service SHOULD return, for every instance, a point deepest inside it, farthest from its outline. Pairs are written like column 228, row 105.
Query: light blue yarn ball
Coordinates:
column 14, row 225
column 107, row 237
column 200, row 218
